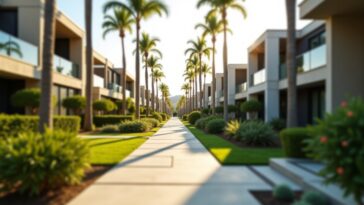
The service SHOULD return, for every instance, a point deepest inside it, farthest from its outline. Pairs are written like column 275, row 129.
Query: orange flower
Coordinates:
column 350, row 114
column 344, row 143
column 340, row 170
column 324, row 139
column 344, row 104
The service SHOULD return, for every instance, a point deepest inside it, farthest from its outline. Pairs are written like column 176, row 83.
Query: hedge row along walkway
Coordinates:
column 173, row 168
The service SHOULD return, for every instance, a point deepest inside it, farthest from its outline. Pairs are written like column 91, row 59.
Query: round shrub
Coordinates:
column 219, row 110
column 232, row 128
column 185, row 117
column 164, row 116
column 27, row 98
column 314, row 198
column 75, row 103
column 293, row 141
column 283, row 192
column 109, row 129
column 134, row 127
column 193, row 117
column 153, row 122
column 255, row 133
column 130, row 103
column 157, row 116
column 278, row 124
column 32, row 163
column 205, row 111
column 251, row 106
column 199, row 123
column 104, row 105
column 202, row 122
column 215, row 126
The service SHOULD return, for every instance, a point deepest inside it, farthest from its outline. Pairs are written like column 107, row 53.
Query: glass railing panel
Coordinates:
column 259, row 77
column 318, row 57
column 241, row 88
column 114, row 87
column 66, row 67
column 98, row 81
column 18, row 49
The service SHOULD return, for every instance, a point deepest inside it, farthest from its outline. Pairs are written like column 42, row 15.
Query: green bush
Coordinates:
column 13, row 125
column 278, row 124
column 232, row 128
column 102, row 120
column 185, row 117
column 256, row 133
column 104, row 105
column 153, row 122
column 32, row 163
column 131, row 106
column 293, row 141
column 109, row 129
column 27, row 98
column 283, row 192
column 75, row 103
column 338, row 141
column 232, row 109
column 164, row 116
column 206, row 111
column 219, row 110
column 251, row 106
column 157, row 116
column 215, row 126
column 314, row 198
column 193, row 117
column 134, row 127
column 202, row 122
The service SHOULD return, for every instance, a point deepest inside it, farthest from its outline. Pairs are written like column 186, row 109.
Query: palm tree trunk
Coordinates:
column 291, row 64
column 45, row 111
column 137, row 71
column 191, row 85
column 123, row 109
column 225, row 54
column 89, row 67
column 196, row 89
column 200, row 78
column 156, row 82
column 204, row 83
column 146, row 83
column 213, row 78
column 153, row 81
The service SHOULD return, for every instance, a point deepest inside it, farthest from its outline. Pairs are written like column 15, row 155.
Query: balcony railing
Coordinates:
column 258, row 77
column 98, row 81
column 127, row 93
column 18, row 49
column 309, row 60
column 114, row 87
column 66, row 67
column 241, row 88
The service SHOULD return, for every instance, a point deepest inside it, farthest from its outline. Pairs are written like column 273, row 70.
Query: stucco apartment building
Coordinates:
column 21, row 31
column 330, row 63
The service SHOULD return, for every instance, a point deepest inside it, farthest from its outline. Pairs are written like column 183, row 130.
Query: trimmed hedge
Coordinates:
column 103, row 120
column 255, row 133
column 164, row 116
column 153, row 122
column 216, row 126
column 193, row 117
column 134, row 127
column 13, row 125
column 202, row 122
column 157, row 116
column 293, row 141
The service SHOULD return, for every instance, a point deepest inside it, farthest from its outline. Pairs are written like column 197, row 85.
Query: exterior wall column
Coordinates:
column 231, row 85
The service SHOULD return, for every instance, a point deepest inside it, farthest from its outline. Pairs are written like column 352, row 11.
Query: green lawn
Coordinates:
column 229, row 154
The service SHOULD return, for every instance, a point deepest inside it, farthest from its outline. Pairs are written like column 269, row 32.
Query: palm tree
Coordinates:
column 190, row 77
column 199, row 48
column 222, row 6
column 141, row 10
column 193, row 64
column 154, row 64
column 206, row 69
column 212, row 27
column 165, row 92
column 291, row 64
column 157, row 75
column 45, row 111
column 186, row 88
column 121, row 21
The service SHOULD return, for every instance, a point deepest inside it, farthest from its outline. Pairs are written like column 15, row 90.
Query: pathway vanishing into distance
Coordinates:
column 173, row 168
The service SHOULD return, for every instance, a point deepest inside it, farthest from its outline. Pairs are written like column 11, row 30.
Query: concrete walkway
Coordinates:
column 173, row 168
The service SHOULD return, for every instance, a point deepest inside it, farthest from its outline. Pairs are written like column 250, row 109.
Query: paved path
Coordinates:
column 173, row 168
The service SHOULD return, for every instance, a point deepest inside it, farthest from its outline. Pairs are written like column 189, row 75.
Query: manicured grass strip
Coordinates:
column 112, row 151
column 229, row 154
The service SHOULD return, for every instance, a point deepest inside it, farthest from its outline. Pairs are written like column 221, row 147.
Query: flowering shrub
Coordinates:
column 339, row 143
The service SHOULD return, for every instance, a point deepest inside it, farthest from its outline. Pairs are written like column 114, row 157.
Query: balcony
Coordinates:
column 114, row 87
column 18, row 49
column 66, row 67
column 310, row 60
column 241, row 88
column 98, row 81
column 258, row 77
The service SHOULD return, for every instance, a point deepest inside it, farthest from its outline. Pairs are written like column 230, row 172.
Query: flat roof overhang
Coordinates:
column 322, row 9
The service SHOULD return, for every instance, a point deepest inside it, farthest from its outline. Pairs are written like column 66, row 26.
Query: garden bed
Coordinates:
column 266, row 198
column 277, row 143
column 57, row 196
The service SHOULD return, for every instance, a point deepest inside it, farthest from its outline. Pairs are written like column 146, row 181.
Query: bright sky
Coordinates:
column 175, row 30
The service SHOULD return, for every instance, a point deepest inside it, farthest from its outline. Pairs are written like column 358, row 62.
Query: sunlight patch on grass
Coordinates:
column 221, row 153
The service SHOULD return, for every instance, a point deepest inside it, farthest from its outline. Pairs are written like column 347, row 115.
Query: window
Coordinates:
column 9, row 21
column 61, row 93
column 318, row 40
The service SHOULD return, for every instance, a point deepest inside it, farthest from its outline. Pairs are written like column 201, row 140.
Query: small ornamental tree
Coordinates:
column 104, row 106
column 252, row 107
column 131, row 106
column 339, row 143
column 27, row 98
column 75, row 103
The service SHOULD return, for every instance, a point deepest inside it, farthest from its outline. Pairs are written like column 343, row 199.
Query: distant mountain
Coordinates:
column 175, row 99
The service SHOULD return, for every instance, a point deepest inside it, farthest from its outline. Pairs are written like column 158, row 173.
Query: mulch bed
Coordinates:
column 56, row 197
column 266, row 198
column 242, row 145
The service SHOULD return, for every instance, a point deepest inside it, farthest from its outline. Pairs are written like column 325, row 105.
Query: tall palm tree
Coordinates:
column 147, row 45
column 165, row 92
column 291, row 64
column 121, row 21
column 88, row 123
column 186, row 88
column 153, row 63
column 206, row 69
column 141, row 10
column 223, row 6
column 193, row 64
column 157, row 75
column 190, row 77
column 212, row 27
column 199, row 48
column 45, row 111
